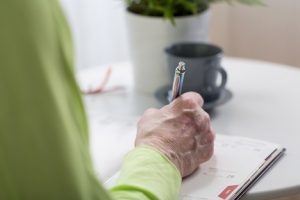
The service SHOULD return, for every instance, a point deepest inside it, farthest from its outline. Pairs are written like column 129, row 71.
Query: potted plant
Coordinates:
column 155, row 24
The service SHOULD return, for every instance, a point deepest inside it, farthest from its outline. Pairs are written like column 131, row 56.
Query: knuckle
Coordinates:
column 190, row 116
column 203, row 121
column 206, row 117
column 189, row 102
column 192, row 100
column 207, row 153
column 196, row 97
column 210, row 138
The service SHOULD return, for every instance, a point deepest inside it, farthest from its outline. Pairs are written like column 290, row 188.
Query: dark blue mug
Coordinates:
column 204, row 73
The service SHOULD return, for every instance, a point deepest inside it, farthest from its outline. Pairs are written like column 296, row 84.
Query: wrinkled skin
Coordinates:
column 180, row 130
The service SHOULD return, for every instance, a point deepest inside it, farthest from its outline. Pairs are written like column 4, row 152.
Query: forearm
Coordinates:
column 147, row 174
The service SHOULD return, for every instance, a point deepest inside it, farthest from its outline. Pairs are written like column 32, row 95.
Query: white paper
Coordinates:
column 235, row 160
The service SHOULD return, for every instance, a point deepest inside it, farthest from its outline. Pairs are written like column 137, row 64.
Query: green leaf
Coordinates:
column 172, row 8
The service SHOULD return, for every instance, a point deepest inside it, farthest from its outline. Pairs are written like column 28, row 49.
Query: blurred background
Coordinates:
column 270, row 33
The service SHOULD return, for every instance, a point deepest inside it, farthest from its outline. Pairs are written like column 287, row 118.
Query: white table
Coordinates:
column 265, row 105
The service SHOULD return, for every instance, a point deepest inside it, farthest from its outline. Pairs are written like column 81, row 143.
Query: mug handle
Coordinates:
column 217, row 89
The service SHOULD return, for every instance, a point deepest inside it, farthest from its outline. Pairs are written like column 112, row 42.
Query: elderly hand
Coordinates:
column 180, row 130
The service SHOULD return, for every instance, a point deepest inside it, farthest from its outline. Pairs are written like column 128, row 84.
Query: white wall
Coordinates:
column 98, row 31
column 270, row 32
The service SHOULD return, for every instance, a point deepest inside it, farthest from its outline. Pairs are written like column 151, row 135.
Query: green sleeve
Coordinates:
column 43, row 130
column 44, row 150
column 147, row 174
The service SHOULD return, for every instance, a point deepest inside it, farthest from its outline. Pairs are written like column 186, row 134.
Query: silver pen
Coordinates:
column 178, row 81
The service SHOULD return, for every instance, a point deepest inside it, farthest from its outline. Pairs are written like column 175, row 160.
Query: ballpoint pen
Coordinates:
column 178, row 81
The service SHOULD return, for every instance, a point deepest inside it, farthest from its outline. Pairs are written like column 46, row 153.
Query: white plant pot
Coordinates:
column 149, row 36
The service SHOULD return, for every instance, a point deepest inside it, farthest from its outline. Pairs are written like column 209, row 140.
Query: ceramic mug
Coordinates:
column 204, row 73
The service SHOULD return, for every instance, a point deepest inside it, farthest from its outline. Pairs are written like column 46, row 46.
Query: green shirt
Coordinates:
column 44, row 150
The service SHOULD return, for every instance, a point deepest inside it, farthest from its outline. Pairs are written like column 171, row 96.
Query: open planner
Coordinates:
column 238, row 162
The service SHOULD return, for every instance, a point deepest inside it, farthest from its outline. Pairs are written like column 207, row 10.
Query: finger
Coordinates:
column 189, row 100
column 192, row 97
column 206, row 153
column 202, row 120
column 207, row 138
